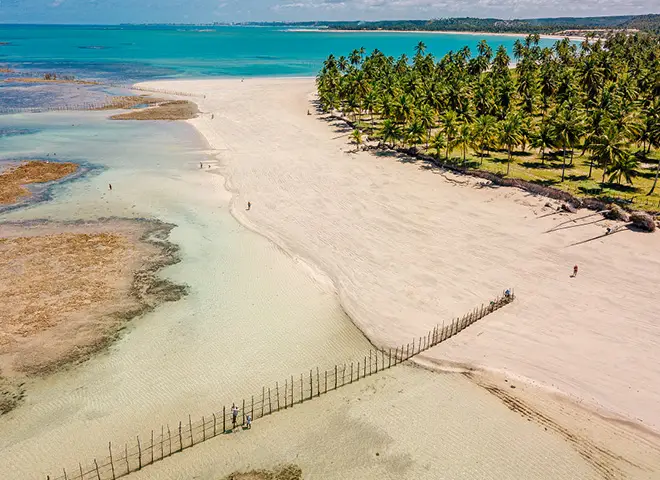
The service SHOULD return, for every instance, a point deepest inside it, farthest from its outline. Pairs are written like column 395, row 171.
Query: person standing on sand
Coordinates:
column 575, row 270
column 234, row 414
column 249, row 206
column 200, row 164
column 109, row 186
column 249, row 421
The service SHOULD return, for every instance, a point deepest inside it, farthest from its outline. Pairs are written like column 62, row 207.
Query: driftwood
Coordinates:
column 643, row 221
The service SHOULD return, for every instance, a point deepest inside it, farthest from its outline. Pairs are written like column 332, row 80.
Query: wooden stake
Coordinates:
column 358, row 370
column 65, row 477
column 98, row 474
column 180, row 437
column 343, row 376
column 152, row 446
column 139, row 454
column 302, row 396
column 292, row 390
column 192, row 440
column 243, row 412
column 351, row 372
column 224, row 420
column 389, row 362
column 203, row 429
column 364, row 374
column 396, row 354
column 336, row 377
column 270, row 405
column 376, row 353
column 112, row 464
column 277, row 394
column 214, row 425
column 325, row 390
column 311, row 385
column 252, row 407
column 318, row 383
column 369, row 361
column 81, row 472
column 263, row 399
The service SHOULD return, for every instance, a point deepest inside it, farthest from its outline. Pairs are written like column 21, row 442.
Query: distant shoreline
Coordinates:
column 444, row 32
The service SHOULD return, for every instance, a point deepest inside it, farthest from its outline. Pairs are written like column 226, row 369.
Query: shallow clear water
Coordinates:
column 253, row 316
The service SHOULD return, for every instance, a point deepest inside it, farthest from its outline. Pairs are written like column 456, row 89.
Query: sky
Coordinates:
column 208, row 11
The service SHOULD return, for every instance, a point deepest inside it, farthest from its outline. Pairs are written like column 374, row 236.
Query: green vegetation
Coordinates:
column 585, row 120
column 649, row 23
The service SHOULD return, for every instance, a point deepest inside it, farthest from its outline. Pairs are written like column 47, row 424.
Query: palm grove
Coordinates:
column 597, row 103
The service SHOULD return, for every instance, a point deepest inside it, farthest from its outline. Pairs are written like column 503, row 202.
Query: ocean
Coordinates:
column 126, row 54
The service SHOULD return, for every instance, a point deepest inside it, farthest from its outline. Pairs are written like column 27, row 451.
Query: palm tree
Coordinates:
column 484, row 134
column 415, row 133
column 449, row 124
column 566, row 129
column 390, row 131
column 510, row 135
column 438, row 143
column 625, row 166
column 608, row 149
column 464, row 138
column 543, row 139
column 426, row 117
column 356, row 137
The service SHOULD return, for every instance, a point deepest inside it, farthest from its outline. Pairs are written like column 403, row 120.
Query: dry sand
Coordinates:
column 68, row 288
column 408, row 247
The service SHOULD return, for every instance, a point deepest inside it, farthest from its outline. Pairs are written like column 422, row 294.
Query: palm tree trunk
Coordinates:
column 655, row 180
column 591, row 166
column 563, row 166
column 508, row 163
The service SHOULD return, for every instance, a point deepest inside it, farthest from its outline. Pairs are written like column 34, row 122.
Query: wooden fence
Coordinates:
column 297, row 389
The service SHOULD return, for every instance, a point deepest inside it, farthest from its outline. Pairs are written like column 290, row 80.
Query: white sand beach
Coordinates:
column 408, row 247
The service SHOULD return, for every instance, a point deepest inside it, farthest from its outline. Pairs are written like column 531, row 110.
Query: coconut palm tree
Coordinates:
column 464, row 138
column 426, row 117
column 510, row 135
column 415, row 132
column 438, row 143
column 543, row 139
column 608, row 148
column 390, row 132
column 484, row 134
column 566, row 129
column 624, row 166
column 356, row 137
column 449, row 125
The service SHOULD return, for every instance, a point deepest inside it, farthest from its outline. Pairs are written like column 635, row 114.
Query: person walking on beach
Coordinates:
column 249, row 206
column 200, row 164
column 575, row 270
column 249, row 421
column 109, row 186
column 234, row 414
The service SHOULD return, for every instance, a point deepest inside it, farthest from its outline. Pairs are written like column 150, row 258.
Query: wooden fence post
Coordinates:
column 407, row 348
column 277, row 394
column 203, row 431
column 252, row 408
column 180, row 437
column 192, row 440
column 243, row 412
column 351, row 372
column 318, row 383
column 112, row 464
column 358, row 370
column 311, row 385
column 376, row 352
column 369, row 361
column 162, row 438
column 336, row 377
column 419, row 345
column 81, row 471
column 291, row 390
column 396, row 354
column 270, row 405
column 224, row 420
column 302, row 395
column 364, row 374
column 325, row 390
column 98, row 474
column 169, row 439
column 214, row 425
column 64, row 472
column 152, row 446
column 139, row 453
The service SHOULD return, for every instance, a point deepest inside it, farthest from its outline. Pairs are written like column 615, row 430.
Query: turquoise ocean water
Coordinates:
column 132, row 53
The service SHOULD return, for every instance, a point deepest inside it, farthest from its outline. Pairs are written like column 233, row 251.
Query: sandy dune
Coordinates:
column 407, row 248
